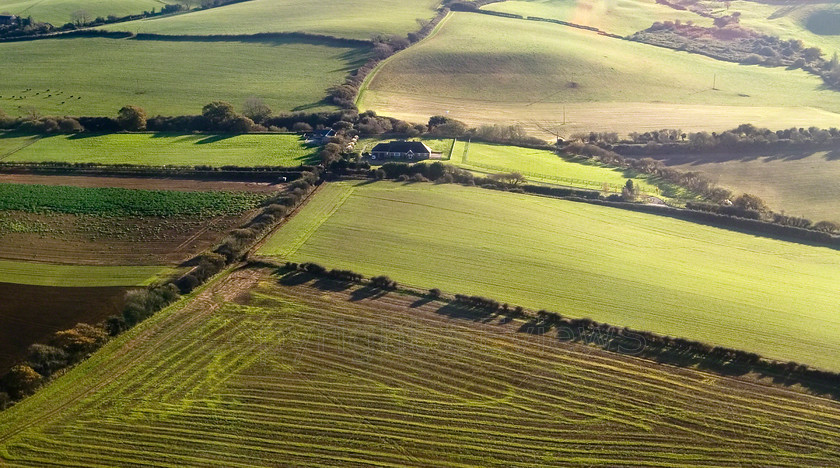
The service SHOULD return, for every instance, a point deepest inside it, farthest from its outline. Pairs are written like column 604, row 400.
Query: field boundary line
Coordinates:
column 26, row 145
column 257, row 245
column 369, row 78
column 139, row 338
column 300, row 240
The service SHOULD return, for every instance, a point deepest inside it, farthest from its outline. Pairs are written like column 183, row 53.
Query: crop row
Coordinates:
column 309, row 377
column 123, row 202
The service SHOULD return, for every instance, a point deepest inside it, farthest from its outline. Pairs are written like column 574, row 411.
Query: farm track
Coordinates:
column 249, row 372
column 27, row 144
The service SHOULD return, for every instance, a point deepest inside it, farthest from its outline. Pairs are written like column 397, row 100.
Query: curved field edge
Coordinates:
column 372, row 75
column 542, row 76
column 101, row 75
column 46, row 274
column 351, row 19
column 246, row 372
column 644, row 271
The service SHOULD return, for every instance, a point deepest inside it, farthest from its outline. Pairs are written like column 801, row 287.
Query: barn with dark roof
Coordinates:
column 401, row 150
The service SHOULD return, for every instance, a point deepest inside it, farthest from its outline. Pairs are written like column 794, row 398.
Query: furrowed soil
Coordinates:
column 256, row 370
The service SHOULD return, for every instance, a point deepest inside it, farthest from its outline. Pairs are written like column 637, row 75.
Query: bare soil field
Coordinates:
column 30, row 314
column 144, row 183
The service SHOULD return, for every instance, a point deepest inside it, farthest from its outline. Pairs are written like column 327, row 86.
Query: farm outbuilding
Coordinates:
column 401, row 150
column 8, row 19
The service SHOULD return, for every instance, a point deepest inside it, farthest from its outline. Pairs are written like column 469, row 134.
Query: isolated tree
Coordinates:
column 218, row 113
column 132, row 118
column 81, row 339
column 21, row 380
column 630, row 191
column 511, row 179
column 46, row 359
column 748, row 201
column 256, row 110
column 70, row 125
column 827, row 226
column 301, row 127
column 80, row 18
column 240, row 124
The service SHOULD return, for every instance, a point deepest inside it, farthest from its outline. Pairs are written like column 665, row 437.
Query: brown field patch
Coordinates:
column 98, row 240
column 30, row 314
column 141, row 183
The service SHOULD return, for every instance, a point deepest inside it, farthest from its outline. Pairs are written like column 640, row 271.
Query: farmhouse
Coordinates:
column 7, row 19
column 401, row 150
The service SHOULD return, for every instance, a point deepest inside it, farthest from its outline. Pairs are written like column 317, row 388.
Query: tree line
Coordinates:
column 729, row 41
column 625, row 340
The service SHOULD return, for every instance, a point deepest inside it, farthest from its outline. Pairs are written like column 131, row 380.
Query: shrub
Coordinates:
column 383, row 282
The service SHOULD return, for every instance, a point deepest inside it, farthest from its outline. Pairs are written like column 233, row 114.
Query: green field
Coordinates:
column 249, row 373
column 798, row 184
column 622, row 17
column 44, row 274
column 484, row 69
column 111, row 201
column 98, row 76
column 159, row 149
column 58, row 12
column 632, row 269
column 354, row 19
column 536, row 165
column 545, row 166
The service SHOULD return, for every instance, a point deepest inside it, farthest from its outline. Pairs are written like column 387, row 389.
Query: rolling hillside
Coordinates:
column 353, row 19
column 485, row 69
column 98, row 76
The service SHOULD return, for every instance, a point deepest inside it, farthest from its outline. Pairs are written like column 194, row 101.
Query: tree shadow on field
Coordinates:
column 832, row 155
column 312, row 105
column 85, row 135
column 421, row 302
column 461, row 312
column 295, row 278
column 333, row 285
column 367, row 292
column 214, row 139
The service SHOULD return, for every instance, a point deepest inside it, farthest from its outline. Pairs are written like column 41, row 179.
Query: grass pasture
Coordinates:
column 484, row 69
column 98, row 76
column 159, row 149
column 622, row 17
column 59, row 12
column 546, row 167
column 352, row 19
column 629, row 269
column 249, row 372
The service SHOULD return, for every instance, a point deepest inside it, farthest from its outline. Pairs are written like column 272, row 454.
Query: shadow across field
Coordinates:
column 584, row 332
